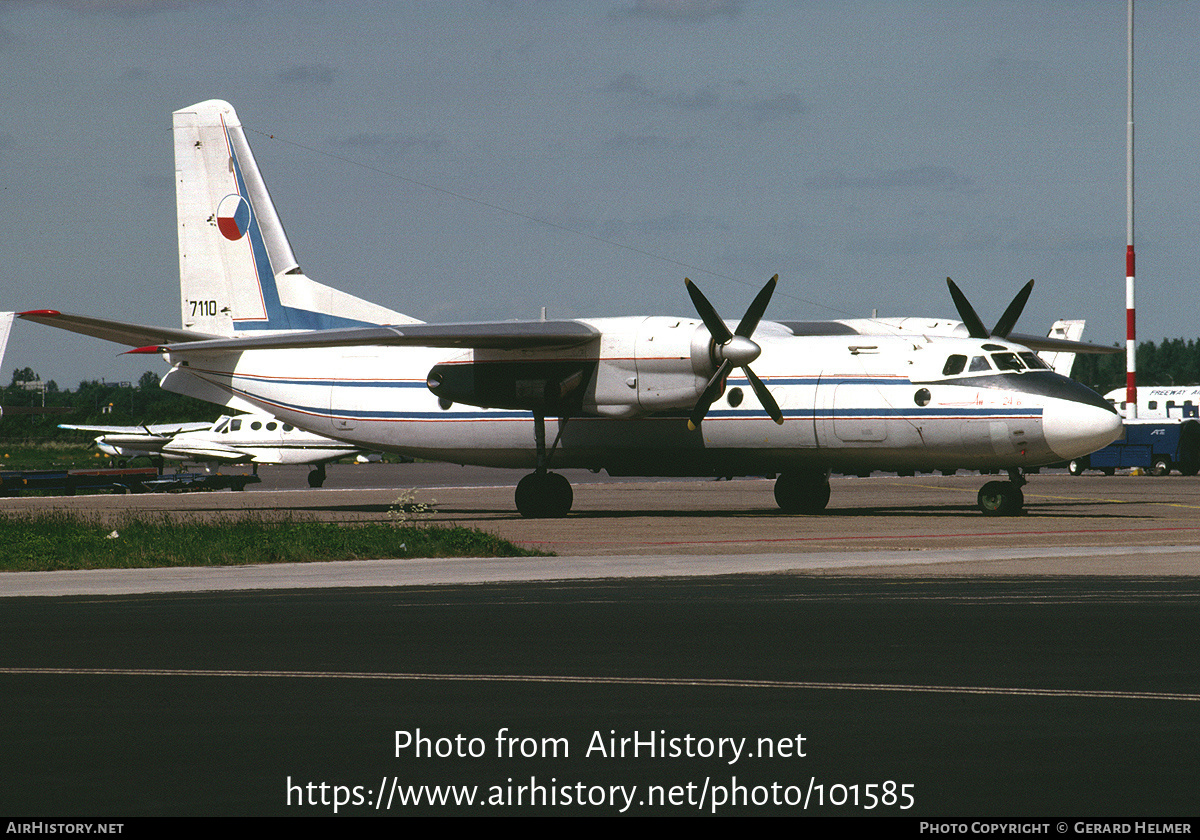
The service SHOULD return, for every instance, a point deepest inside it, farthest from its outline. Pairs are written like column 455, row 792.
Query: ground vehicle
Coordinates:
column 1157, row 446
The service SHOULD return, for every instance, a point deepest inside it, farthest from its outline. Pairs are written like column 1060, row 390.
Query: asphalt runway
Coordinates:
column 926, row 661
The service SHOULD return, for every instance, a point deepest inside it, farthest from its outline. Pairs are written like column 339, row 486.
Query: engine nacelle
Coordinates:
column 545, row 386
column 639, row 366
column 651, row 364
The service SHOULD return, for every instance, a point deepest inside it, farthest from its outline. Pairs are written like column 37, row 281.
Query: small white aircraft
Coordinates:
column 663, row 396
column 243, row 439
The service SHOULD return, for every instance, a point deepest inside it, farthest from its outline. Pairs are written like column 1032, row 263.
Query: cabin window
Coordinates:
column 1007, row 361
column 979, row 363
column 286, row 427
column 1033, row 361
column 1153, row 405
column 735, row 397
column 256, row 425
column 272, row 426
column 235, row 425
column 955, row 364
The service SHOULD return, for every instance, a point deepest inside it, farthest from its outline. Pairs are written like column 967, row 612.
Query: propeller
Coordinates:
column 974, row 324
column 733, row 350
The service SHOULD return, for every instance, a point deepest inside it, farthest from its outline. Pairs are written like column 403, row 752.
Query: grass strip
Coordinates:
column 58, row 540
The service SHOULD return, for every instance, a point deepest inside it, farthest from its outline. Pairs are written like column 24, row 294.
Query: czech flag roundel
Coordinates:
column 233, row 217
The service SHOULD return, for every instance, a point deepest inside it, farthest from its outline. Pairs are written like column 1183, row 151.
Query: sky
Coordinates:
column 462, row 161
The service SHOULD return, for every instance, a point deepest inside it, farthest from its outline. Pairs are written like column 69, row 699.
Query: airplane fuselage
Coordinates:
column 850, row 403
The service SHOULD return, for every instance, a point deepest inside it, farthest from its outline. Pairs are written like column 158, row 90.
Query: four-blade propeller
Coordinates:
column 732, row 350
column 974, row 324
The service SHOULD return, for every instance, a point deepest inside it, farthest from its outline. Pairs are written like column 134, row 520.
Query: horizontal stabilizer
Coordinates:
column 118, row 332
column 499, row 335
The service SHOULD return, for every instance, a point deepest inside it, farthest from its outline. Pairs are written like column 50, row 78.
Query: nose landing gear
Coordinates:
column 1003, row 498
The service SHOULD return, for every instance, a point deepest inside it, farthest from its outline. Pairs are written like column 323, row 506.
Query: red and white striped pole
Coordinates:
column 1130, row 318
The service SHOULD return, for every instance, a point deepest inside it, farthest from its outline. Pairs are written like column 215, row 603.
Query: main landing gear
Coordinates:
column 542, row 494
column 802, row 492
column 1003, row 498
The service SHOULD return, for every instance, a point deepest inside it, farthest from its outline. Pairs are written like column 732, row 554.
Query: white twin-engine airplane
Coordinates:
column 244, row 439
column 648, row 396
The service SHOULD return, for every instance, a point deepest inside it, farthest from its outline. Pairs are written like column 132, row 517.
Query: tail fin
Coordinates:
column 6, row 322
column 1063, row 361
column 237, row 272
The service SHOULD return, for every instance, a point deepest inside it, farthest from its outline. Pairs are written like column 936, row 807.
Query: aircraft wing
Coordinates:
column 206, row 451
column 118, row 332
column 154, row 431
column 1060, row 345
column 496, row 335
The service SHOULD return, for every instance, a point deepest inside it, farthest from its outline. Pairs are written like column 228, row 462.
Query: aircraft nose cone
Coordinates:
column 1074, row 429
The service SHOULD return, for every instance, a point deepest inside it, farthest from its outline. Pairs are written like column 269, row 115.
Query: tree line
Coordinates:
column 1174, row 361
column 33, row 409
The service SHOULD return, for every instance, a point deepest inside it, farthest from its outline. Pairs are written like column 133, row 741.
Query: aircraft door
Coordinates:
column 851, row 408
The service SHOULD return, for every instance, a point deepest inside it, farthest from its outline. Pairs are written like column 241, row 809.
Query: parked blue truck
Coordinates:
column 1156, row 446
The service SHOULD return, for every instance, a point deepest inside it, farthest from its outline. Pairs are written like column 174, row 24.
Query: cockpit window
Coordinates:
column 235, row 425
column 955, row 364
column 979, row 363
column 1033, row 361
column 1007, row 361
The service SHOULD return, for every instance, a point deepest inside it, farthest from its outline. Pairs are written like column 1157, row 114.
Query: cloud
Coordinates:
column 157, row 183
column 629, row 83
column 643, row 142
column 687, row 11
column 126, row 8
column 738, row 106
column 918, row 177
column 307, row 74
column 675, row 223
column 403, row 143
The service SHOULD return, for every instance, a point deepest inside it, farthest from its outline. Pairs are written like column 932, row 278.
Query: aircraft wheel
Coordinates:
column 316, row 477
column 1161, row 466
column 798, row 493
column 1189, row 468
column 1077, row 466
column 545, row 496
column 1109, row 470
column 1001, row 498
